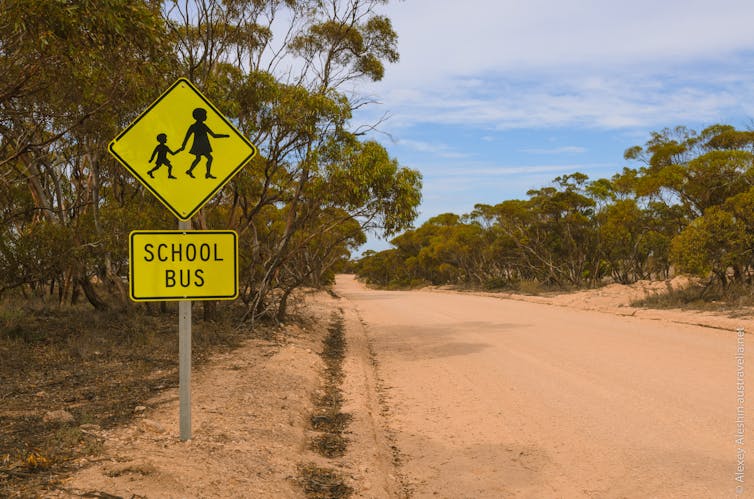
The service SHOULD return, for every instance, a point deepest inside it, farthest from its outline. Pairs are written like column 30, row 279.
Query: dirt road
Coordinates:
column 500, row 398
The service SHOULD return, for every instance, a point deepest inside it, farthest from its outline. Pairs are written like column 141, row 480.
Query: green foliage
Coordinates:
column 350, row 44
column 76, row 73
column 713, row 242
column 687, row 209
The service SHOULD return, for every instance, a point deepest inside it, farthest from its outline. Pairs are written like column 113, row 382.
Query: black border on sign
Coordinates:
column 181, row 298
column 143, row 182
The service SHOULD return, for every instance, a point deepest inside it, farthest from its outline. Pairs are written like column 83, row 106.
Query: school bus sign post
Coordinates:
column 183, row 150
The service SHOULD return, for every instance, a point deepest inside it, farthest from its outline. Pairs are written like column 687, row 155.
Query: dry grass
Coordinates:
column 323, row 483
column 327, row 417
column 98, row 366
column 328, row 421
column 703, row 296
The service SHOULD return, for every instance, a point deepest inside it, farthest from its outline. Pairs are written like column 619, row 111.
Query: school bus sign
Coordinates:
column 182, row 149
column 183, row 265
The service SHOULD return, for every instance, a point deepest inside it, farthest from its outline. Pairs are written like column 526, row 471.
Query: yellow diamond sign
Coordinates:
column 182, row 149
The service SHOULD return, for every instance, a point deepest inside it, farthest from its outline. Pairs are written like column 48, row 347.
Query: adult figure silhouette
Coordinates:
column 201, row 146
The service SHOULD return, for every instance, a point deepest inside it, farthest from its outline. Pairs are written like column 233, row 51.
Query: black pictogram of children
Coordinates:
column 200, row 146
column 161, row 151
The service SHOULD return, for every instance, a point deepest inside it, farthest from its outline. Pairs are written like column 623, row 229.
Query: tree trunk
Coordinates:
column 116, row 282
column 283, row 305
column 210, row 311
column 75, row 294
column 91, row 294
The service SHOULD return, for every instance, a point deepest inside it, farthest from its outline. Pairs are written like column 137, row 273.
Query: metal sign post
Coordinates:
column 184, row 360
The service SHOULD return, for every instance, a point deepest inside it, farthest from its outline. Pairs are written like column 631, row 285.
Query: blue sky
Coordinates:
column 492, row 98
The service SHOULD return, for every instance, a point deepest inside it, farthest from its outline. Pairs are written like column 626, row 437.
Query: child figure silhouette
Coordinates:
column 201, row 146
column 161, row 151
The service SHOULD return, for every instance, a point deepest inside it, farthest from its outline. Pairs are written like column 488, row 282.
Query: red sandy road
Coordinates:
column 500, row 398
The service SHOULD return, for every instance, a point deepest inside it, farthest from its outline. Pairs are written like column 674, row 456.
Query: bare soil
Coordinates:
column 248, row 418
column 96, row 367
column 570, row 396
column 621, row 299
column 439, row 394
column 256, row 416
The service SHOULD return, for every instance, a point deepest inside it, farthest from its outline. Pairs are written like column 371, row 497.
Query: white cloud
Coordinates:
column 443, row 37
column 559, row 98
column 434, row 148
column 557, row 150
column 487, row 171
column 508, row 64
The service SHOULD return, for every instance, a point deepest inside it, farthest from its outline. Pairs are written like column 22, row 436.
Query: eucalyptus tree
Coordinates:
column 280, row 70
column 706, row 176
column 69, row 71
